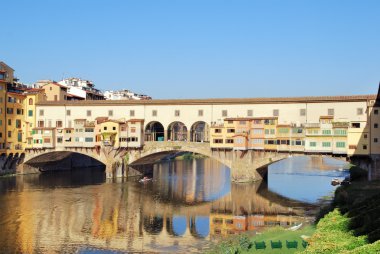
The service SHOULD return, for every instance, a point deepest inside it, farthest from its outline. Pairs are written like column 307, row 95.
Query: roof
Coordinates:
column 326, row 117
column 54, row 83
column 113, row 121
column 218, row 101
column 18, row 94
column 6, row 65
column 135, row 120
column 250, row 118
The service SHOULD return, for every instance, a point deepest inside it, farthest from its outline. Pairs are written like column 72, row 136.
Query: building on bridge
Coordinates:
column 340, row 125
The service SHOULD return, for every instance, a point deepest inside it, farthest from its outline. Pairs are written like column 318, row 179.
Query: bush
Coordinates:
column 357, row 174
column 333, row 236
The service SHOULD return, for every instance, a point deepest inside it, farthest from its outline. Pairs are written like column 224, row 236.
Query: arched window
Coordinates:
column 30, row 101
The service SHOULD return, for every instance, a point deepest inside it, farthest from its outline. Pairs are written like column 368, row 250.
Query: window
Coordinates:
column 114, row 128
column 55, row 97
column 9, row 134
column 375, row 140
column 77, row 139
column 18, row 123
column 340, row 144
column 9, row 110
column 59, row 140
column 110, row 112
column 326, row 132
column 1, row 122
column 242, row 122
column 340, row 132
column 364, row 147
column 230, row 130
column 154, row 112
column 176, row 113
column 19, row 111
column 249, row 112
column 365, row 136
column 376, row 111
column 41, row 112
column 200, row 112
column 297, row 131
column 58, row 124
column 352, row 147
column 376, row 125
column 326, row 144
column 283, row 130
column 30, row 101
column 9, row 121
column 218, row 130
column 131, row 113
column 355, row 125
column 257, row 131
column 68, row 131
column 40, row 124
column 105, row 128
column 218, row 141
column 30, row 112
column 276, row 112
column 19, row 137
column 330, row 112
column 302, row 112
column 47, row 140
column 133, row 130
column 88, row 130
column 359, row 111
column 313, row 144
column 224, row 113
column 88, row 112
column 88, row 139
column 68, row 112
column 229, row 141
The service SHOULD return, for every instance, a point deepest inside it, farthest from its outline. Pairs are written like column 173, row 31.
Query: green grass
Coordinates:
column 238, row 244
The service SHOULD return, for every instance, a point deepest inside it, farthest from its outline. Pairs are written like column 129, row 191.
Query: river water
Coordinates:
column 188, row 205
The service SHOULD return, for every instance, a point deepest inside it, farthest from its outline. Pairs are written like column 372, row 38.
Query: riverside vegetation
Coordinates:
column 349, row 225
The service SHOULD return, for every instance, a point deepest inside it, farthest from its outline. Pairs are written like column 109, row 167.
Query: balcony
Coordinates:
column 312, row 125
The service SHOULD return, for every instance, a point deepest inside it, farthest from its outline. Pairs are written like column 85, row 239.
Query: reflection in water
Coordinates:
column 187, row 204
column 306, row 178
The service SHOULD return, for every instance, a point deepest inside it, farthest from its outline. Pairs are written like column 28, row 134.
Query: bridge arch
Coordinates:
column 153, row 224
column 177, row 131
column 199, row 226
column 176, row 225
column 154, row 131
column 47, row 160
column 199, row 132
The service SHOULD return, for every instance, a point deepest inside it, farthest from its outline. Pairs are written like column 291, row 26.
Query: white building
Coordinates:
column 82, row 88
column 124, row 95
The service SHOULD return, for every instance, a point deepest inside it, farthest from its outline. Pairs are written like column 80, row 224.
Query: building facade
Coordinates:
column 340, row 125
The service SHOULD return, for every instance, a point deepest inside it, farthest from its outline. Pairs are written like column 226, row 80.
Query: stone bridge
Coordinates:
column 245, row 165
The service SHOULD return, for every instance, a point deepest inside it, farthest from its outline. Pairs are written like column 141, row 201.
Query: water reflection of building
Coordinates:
column 229, row 224
column 171, row 212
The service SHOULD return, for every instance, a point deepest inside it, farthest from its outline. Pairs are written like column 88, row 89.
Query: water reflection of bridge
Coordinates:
column 167, row 212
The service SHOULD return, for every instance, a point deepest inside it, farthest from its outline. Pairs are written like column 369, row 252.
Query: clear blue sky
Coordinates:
column 198, row 48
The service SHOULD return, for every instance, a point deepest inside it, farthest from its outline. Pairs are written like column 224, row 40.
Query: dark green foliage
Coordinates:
column 244, row 243
column 357, row 173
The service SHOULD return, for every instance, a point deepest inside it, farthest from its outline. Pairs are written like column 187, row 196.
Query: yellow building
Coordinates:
column 33, row 96
column 15, row 123
column 270, row 142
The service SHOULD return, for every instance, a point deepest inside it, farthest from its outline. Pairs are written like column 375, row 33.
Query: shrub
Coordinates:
column 357, row 173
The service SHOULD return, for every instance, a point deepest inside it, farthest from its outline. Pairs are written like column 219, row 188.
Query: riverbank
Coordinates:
column 246, row 244
column 351, row 224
